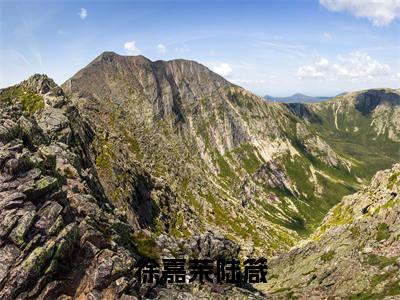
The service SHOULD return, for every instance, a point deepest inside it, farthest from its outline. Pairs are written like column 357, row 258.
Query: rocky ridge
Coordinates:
column 60, row 236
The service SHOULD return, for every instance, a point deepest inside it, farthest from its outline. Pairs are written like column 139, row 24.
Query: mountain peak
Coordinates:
column 190, row 65
column 110, row 56
column 181, row 65
column 118, row 74
column 41, row 84
column 108, row 53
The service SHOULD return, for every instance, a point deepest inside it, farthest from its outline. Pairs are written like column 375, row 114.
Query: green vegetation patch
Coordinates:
column 240, row 226
column 177, row 227
column 382, row 232
column 224, row 168
column 392, row 181
column 134, row 147
column 146, row 245
column 327, row 256
column 380, row 261
column 355, row 232
column 240, row 100
column 341, row 215
column 31, row 102
column 332, row 191
column 371, row 151
column 247, row 154
column 103, row 159
column 390, row 289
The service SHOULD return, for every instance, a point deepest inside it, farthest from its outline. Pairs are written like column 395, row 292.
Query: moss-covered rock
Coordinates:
column 18, row 234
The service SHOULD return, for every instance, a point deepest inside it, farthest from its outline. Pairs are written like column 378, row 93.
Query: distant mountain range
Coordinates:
column 299, row 98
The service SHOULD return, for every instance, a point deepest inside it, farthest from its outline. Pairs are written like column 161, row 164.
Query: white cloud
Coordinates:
column 355, row 65
column 395, row 77
column 327, row 35
column 83, row 13
column 131, row 49
column 161, row 48
column 221, row 68
column 379, row 12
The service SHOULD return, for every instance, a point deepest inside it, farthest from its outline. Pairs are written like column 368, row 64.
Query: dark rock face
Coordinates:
column 304, row 112
column 369, row 100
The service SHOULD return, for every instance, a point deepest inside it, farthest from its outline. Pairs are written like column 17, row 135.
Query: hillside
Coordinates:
column 234, row 162
column 363, row 126
column 354, row 254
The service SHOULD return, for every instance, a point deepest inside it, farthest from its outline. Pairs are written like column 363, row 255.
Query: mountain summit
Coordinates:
column 159, row 81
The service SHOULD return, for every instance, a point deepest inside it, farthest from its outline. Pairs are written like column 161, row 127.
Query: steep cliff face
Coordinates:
column 355, row 253
column 210, row 141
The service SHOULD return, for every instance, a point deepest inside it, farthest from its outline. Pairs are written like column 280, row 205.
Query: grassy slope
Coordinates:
column 369, row 152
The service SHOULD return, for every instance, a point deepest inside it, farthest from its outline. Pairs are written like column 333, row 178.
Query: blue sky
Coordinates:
column 269, row 47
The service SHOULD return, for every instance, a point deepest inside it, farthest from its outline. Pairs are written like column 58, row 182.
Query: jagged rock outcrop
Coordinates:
column 210, row 245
